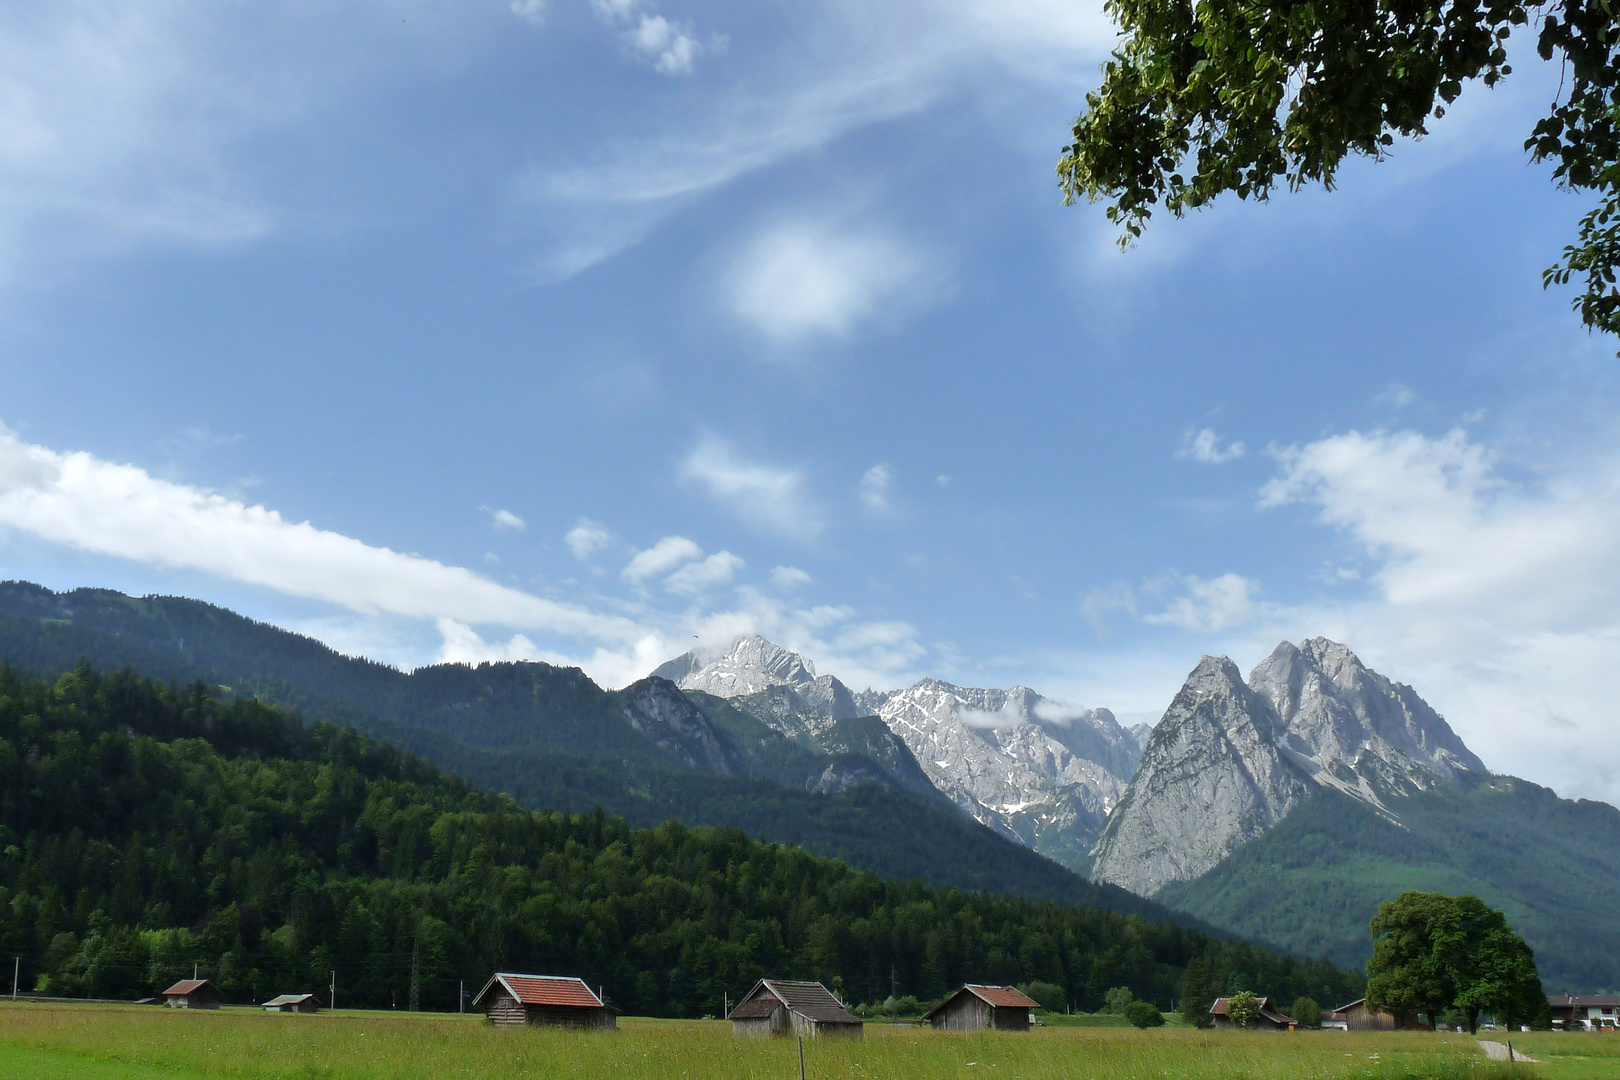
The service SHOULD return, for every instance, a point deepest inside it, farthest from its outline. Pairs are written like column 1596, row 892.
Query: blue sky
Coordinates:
column 592, row 331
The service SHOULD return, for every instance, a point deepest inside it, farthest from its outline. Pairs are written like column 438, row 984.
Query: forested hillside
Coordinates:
column 553, row 739
column 145, row 829
column 1314, row 881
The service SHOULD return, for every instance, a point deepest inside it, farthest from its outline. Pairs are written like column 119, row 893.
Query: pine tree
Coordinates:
column 1197, row 993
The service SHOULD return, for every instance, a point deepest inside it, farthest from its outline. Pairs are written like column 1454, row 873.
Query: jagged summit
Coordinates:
column 1230, row 758
column 754, row 665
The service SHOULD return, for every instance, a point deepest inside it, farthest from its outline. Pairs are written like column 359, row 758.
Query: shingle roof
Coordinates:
column 755, row 1008
column 810, row 1000
column 1001, row 997
column 185, row 986
column 1219, row 1008
column 544, row 990
column 1582, row 1001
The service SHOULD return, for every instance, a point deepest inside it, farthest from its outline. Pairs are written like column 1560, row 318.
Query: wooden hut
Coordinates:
column 1359, row 1016
column 544, row 999
column 293, row 1003
column 1268, row 1020
column 787, row 1007
column 192, row 994
column 982, row 1008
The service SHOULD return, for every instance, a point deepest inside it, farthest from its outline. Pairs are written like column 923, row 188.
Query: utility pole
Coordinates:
column 16, row 970
column 194, row 971
column 416, row 974
column 334, row 989
column 461, row 997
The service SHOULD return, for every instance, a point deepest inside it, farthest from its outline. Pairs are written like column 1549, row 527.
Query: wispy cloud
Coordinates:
column 766, row 496
column 587, row 537
column 875, row 487
column 121, row 510
column 803, row 280
column 1205, row 446
column 504, row 520
column 697, row 578
column 1207, row 606
column 661, row 558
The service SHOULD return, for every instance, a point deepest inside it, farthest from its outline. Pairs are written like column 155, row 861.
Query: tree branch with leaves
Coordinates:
column 1240, row 96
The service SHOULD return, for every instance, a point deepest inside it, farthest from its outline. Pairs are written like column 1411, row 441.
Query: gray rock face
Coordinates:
column 754, row 665
column 1230, row 759
column 658, row 710
column 1211, row 779
column 1037, row 771
column 1141, row 733
column 1015, row 761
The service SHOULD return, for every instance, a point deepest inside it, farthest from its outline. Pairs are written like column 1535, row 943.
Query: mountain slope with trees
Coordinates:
column 144, row 829
column 553, row 739
column 1315, row 880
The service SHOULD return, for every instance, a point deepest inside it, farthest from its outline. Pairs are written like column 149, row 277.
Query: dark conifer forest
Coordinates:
column 146, row 830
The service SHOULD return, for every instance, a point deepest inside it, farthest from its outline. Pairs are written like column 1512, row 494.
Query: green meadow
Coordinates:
column 111, row 1042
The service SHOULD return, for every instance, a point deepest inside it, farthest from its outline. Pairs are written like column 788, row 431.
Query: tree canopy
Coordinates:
column 1434, row 952
column 1201, row 99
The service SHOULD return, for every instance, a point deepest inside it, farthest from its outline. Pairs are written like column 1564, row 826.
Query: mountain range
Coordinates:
column 1282, row 808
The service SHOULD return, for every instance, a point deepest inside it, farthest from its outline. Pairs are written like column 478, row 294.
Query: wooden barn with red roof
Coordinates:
column 509, row 998
column 192, row 994
column 982, row 1008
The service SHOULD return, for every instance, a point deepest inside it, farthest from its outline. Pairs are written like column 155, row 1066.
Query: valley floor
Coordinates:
column 111, row 1042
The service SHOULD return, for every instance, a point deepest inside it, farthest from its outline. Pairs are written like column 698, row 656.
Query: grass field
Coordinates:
column 110, row 1042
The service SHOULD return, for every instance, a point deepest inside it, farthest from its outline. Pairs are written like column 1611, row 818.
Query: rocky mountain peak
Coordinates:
column 1230, row 758
column 754, row 665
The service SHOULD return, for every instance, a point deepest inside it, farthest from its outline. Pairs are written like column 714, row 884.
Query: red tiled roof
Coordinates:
column 1003, row 996
column 185, row 986
column 550, row 990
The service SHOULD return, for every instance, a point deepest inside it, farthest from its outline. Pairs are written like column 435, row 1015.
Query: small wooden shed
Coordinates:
column 293, row 1003
column 787, row 1007
column 509, row 998
column 192, row 994
column 1359, row 1016
column 982, row 1008
column 1268, row 1020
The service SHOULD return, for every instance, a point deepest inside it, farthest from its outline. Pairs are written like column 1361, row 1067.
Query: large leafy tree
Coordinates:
column 1231, row 95
column 1434, row 952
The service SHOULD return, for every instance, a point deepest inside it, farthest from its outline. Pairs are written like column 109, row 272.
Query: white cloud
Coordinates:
column 1101, row 603
column 763, row 495
column 789, row 578
column 532, row 12
column 587, row 537
column 697, row 578
column 462, row 645
column 875, row 487
column 661, row 558
column 1500, row 603
column 504, row 519
column 121, row 510
column 81, row 502
column 1397, row 394
column 944, row 481
column 669, row 46
column 1206, row 607
column 1205, row 446
column 804, row 280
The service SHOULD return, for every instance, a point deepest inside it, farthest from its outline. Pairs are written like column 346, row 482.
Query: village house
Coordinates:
column 293, row 1003
column 510, row 998
column 981, row 1008
column 192, row 994
column 1268, row 1020
column 1359, row 1016
column 787, row 1007
column 1589, row 1012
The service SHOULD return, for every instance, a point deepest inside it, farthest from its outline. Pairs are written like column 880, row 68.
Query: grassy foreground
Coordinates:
column 81, row 1042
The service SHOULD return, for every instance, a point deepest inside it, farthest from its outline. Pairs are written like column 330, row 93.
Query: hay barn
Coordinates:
column 293, row 1003
column 1359, row 1016
column 788, row 1007
column 509, row 998
column 1268, row 1020
column 982, row 1008
column 192, row 994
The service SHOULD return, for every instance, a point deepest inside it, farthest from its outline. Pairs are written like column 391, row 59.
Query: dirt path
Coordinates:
column 1496, row 1051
